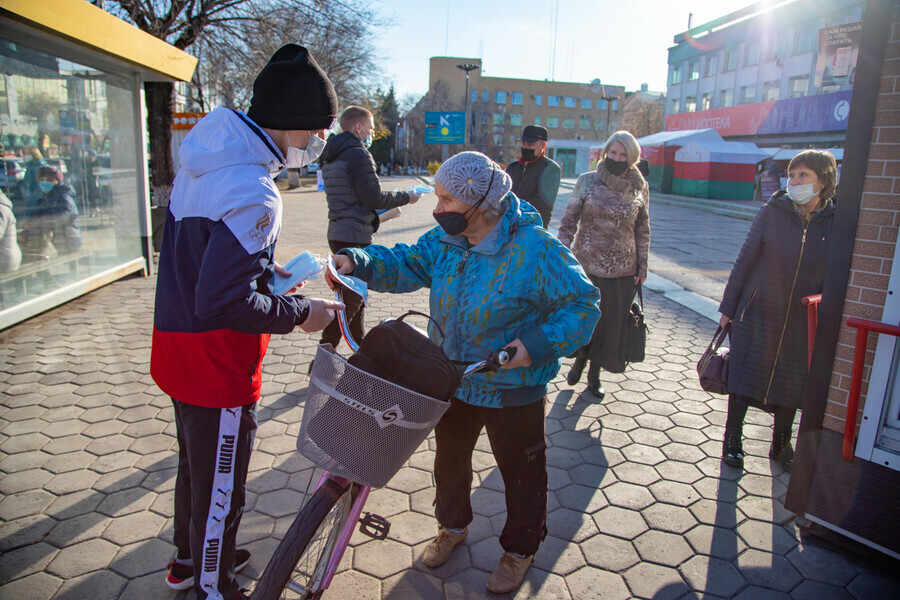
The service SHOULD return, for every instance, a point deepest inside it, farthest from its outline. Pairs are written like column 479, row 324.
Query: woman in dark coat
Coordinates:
column 54, row 218
column 782, row 261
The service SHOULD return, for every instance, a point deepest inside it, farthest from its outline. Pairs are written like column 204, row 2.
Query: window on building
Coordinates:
column 537, row 121
column 485, row 96
column 515, row 119
column 676, row 75
column 705, row 102
column 584, row 123
column 748, row 94
column 552, row 100
column 694, row 71
column 569, row 123
column 674, row 106
column 798, row 86
column 690, row 104
column 513, row 138
column 498, row 139
column 517, row 98
column 774, row 49
column 484, row 118
column 726, row 98
column 771, row 90
column 569, row 102
column 500, row 97
column 538, row 99
column 711, row 66
column 600, row 124
column 552, row 122
column 612, row 125
column 473, row 96
column 602, row 104
column 499, row 118
column 586, row 103
column 804, row 40
column 615, row 105
column 751, row 55
column 730, row 62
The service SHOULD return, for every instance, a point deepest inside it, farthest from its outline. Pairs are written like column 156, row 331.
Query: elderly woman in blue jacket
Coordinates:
column 497, row 279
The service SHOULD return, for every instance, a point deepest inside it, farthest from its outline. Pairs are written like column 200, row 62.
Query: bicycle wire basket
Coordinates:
column 360, row 426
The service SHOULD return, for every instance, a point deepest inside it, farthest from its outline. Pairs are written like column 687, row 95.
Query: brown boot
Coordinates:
column 509, row 573
column 438, row 551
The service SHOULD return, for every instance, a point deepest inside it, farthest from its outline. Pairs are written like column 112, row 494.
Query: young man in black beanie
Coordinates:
column 215, row 308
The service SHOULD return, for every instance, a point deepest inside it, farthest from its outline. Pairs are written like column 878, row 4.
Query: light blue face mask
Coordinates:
column 46, row 186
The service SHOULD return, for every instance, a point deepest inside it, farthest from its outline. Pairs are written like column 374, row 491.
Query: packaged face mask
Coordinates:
column 354, row 284
column 420, row 189
column 303, row 267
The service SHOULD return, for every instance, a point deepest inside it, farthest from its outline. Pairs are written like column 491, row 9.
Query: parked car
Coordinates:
column 312, row 168
column 59, row 163
column 11, row 175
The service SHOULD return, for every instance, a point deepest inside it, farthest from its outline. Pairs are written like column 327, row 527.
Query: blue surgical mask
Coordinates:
column 46, row 186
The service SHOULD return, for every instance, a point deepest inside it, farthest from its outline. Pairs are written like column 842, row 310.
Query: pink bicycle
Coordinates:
column 360, row 430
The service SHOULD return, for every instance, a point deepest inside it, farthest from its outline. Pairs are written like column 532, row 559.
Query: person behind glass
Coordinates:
column 535, row 177
column 781, row 261
column 354, row 195
column 10, row 253
column 497, row 279
column 31, row 192
column 54, row 217
column 607, row 225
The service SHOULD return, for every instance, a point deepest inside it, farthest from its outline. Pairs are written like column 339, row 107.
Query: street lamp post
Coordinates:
column 609, row 100
column 466, row 67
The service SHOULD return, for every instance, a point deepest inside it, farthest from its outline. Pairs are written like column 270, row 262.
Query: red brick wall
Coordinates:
column 876, row 234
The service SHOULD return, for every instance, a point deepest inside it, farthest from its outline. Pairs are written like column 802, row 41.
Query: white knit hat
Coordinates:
column 471, row 176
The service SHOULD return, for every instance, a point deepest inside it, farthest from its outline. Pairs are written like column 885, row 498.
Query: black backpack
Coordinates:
column 404, row 355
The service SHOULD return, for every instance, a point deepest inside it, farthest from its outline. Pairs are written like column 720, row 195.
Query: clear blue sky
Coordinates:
column 621, row 42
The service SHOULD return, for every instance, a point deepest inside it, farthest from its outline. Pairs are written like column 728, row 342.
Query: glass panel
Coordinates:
column 586, row 103
column 676, row 75
column 537, row 121
column 690, row 104
column 498, row 118
column 552, row 100
column 569, row 102
column 584, row 123
column 602, row 104
column 485, row 96
column 500, row 97
column 569, row 123
column 537, row 99
column 515, row 119
column 710, row 66
column 552, row 122
column 80, row 122
column 474, row 96
column 517, row 98
column 695, row 71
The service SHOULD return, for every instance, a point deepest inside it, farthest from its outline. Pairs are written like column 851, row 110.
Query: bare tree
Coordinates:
column 643, row 116
column 328, row 27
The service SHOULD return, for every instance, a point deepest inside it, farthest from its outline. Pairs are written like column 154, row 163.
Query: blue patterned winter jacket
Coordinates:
column 518, row 282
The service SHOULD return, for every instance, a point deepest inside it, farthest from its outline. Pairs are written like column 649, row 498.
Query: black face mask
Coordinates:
column 454, row 223
column 528, row 154
column 616, row 167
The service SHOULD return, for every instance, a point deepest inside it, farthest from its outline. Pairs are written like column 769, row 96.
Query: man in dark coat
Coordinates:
column 354, row 197
column 535, row 177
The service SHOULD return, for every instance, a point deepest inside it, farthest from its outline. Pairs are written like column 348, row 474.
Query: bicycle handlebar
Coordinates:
column 493, row 362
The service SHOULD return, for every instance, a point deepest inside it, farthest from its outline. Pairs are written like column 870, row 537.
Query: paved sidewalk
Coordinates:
column 640, row 505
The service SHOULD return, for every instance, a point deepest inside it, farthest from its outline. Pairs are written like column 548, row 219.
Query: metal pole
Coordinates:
column 466, row 114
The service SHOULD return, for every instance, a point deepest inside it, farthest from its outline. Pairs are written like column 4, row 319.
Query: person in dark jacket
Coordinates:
column 782, row 261
column 54, row 216
column 535, row 177
column 215, row 307
column 354, row 196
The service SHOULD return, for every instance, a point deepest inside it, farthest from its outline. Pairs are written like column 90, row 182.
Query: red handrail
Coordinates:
column 812, row 322
column 863, row 327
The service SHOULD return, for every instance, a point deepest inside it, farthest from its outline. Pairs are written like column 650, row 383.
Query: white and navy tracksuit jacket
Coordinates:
column 214, row 313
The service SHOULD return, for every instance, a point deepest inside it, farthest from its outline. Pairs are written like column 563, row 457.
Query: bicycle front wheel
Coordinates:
column 300, row 560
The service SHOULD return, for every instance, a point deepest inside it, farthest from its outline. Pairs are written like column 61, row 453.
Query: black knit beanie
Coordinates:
column 292, row 92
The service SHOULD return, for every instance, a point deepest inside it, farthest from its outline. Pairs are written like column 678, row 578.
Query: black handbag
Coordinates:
column 636, row 332
column 712, row 368
column 404, row 355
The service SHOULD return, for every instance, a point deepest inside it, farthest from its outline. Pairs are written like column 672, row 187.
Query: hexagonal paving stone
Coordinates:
column 581, row 498
column 279, row 503
column 39, row 585
column 410, row 480
column 636, row 473
column 766, row 537
column 25, row 561
column 626, row 495
column 620, row 522
column 66, row 483
column 412, row 528
column 382, row 558
column 82, row 558
column 647, row 455
column 598, row 584
column 665, row 517
column 99, row 585
column 712, row 575
column 718, row 542
column 655, row 581
column 672, row 492
column 126, row 502
column 662, row 548
column 609, row 553
column 768, row 570
column 822, row 564
column 816, row 590
column 134, row 528
column 22, row 481
column 23, row 504
column 23, row 532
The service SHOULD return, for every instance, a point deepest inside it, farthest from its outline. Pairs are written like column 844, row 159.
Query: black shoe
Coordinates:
column 594, row 384
column 575, row 372
column 782, row 451
column 732, row 450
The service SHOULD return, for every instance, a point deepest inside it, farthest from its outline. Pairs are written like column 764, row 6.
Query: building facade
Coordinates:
column 498, row 108
column 71, row 97
column 779, row 77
